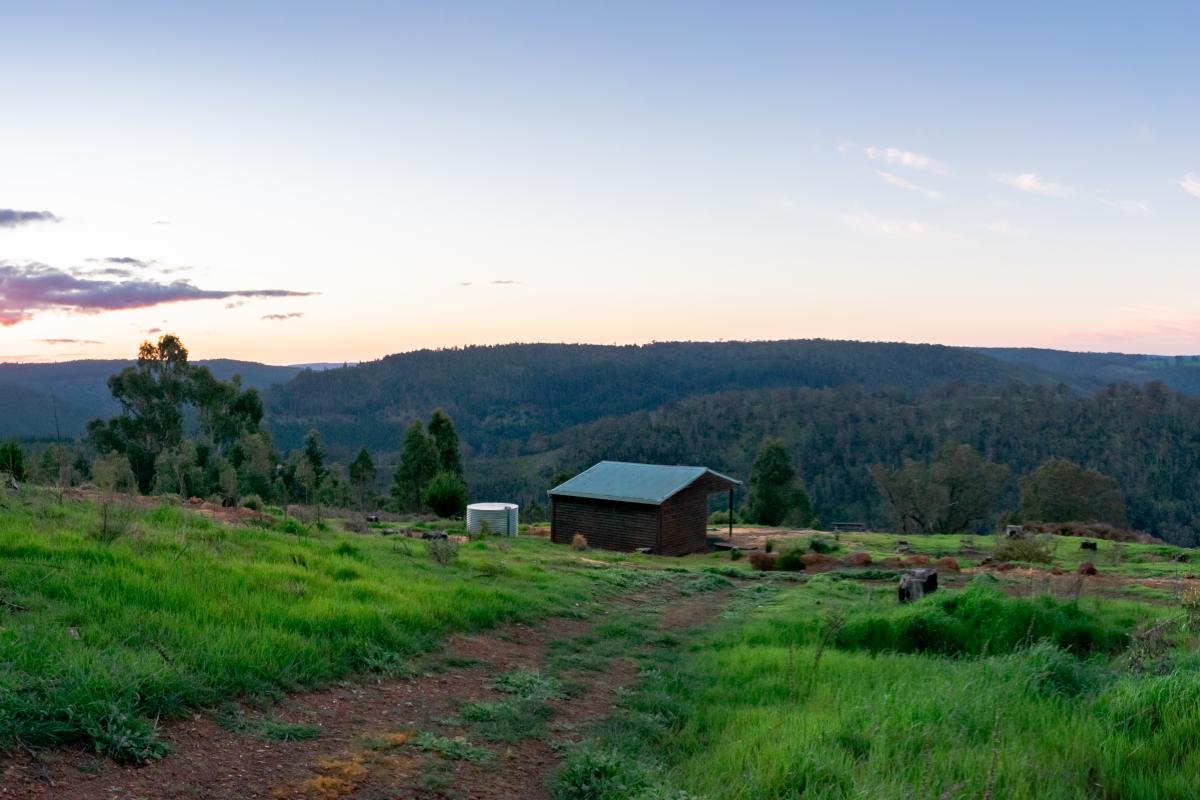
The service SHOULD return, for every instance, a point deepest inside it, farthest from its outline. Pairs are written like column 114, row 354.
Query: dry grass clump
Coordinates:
column 818, row 562
column 947, row 563
column 763, row 562
column 858, row 559
column 1087, row 568
column 579, row 542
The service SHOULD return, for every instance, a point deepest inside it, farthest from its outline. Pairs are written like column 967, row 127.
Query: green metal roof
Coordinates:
column 633, row 483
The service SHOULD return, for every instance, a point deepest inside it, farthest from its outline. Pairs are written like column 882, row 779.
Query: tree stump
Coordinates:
column 916, row 583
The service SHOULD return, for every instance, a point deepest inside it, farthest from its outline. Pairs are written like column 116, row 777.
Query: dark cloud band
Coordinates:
column 12, row 218
column 28, row 288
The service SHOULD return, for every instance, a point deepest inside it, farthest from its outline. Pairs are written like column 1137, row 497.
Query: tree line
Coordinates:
column 181, row 431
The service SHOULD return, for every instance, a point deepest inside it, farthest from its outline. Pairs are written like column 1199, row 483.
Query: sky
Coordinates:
column 300, row 182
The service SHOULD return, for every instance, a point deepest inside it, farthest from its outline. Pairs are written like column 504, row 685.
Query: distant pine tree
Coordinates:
column 418, row 465
column 445, row 442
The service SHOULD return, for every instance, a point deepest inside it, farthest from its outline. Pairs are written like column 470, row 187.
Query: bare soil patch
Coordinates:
column 365, row 748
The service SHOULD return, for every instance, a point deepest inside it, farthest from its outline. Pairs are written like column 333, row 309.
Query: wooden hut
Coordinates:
column 621, row 506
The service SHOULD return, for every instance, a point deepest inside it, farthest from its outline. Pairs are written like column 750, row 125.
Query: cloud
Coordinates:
column 29, row 288
column 897, row 181
column 505, row 283
column 12, row 218
column 68, row 341
column 906, row 229
column 153, row 330
column 1191, row 184
column 1125, row 204
column 906, row 158
column 1035, row 184
column 291, row 315
column 1006, row 228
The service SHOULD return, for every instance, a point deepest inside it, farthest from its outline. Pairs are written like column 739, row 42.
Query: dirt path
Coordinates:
column 394, row 738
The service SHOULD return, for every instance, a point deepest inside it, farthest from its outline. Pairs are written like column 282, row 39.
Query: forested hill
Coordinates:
column 500, row 396
column 31, row 394
column 1147, row 438
column 1095, row 370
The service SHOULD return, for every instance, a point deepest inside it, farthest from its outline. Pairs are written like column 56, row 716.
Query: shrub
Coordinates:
column 442, row 551
column 791, row 561
column 1022, row 550
column 859, row 559
column 446, row 495
column 579, row 542
column 735, row 555
column 252, row 502
column 819, row 544
column 763, row 562
column 769, row 546
column 917, row 560
column 1088, row 568
column 292, row 525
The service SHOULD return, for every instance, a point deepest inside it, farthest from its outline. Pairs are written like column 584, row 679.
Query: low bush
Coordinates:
column 252, row 502
column 791, row 561
column 579, row 542
column 1088, row 568
column 947, row 563
column 819, row 544
column 735, row 555
column 442, row 551
column 1022, row 550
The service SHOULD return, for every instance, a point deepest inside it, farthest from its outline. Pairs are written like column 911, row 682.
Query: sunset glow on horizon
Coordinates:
column 294, row 183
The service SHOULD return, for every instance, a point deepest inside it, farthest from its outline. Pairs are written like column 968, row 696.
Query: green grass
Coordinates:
column 267, row 726
column 759, row 708
column 177, row 613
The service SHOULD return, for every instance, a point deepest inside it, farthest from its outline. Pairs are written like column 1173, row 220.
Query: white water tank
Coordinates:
column 501, row 518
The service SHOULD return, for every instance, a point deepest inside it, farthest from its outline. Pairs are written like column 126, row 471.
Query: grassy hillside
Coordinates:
column 99, row 634
column 1006, row 685
column 1013, row 681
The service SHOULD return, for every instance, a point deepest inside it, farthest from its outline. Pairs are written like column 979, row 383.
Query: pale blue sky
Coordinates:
column 1009, row 174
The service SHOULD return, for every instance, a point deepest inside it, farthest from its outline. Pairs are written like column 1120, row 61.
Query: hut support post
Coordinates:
column 730, row 513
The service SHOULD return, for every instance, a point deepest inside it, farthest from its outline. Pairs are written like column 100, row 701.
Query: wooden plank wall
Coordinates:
column 604, row 523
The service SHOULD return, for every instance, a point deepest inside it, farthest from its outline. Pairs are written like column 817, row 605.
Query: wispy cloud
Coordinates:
column 505, row 283
column 1035, row 184
column 12, row 218
column 29, row 288
column 1125, row 204
column 291, row 315
column 1006, row 228
column 906, row 229
column 1191, row 184
column 901, row 183
column 906, row 158
column 67, row 341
